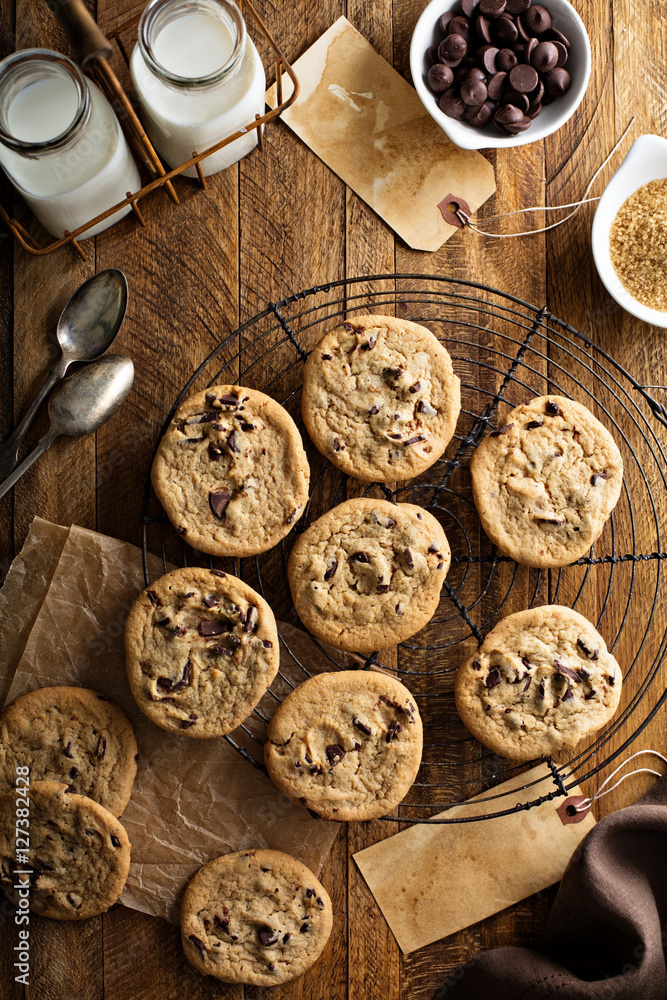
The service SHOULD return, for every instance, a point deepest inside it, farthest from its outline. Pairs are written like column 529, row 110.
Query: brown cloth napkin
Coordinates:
column 606, row 934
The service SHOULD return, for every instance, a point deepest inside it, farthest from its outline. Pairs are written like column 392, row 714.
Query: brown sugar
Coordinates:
column 638, row 244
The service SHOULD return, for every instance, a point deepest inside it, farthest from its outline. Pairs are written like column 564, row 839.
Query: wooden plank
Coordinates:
column 65, row 960
column 144, row 960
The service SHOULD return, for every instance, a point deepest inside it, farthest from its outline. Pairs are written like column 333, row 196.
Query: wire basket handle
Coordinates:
column 88, row 42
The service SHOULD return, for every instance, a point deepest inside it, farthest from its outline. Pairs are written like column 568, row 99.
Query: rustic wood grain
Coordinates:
column 280, row 222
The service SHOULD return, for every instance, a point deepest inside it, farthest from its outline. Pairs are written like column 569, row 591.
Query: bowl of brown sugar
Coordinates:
column 629, row 237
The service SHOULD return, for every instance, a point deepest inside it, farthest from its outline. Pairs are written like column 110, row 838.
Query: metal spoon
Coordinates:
column 81, row 404
column 86, row 329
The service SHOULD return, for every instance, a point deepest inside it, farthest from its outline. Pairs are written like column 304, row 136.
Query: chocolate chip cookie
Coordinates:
column 202, row 648
column 541, row 681
column 545, row 483
column 257, row 917
column 380, row 399
column 231, row 471
column 368, row 573
column 346, row 745
column 79, row 854
column 74, row 735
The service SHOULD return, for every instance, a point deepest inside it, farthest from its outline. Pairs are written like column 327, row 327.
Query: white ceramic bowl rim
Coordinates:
column 552, row 118
column 646, row 161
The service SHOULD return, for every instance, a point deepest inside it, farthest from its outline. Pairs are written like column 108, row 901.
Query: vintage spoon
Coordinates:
column 81, row 404
column 86, row 329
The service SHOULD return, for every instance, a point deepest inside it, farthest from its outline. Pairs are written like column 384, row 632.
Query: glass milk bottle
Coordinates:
column 61, row 144
column 199, row 79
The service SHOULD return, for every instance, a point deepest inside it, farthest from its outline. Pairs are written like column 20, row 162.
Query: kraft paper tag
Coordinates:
column 367, row 123
column 431, row 881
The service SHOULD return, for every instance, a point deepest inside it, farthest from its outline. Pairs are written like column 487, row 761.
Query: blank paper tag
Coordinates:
column 431, row 881
column 367, row 123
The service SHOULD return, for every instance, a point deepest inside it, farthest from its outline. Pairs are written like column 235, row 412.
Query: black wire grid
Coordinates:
column 505, row 351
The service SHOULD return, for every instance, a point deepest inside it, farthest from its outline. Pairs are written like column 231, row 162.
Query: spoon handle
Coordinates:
column 43, row 446
column 9, row 449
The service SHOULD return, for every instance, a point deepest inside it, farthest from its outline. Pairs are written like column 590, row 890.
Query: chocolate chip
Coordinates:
column 393, row 731
column 229, row 399
column 569, row 694
column 440, row 78
column 409, row 558
column 190, row 721
column 211, row 601
column 426, row 408
column 73, row 772
column 101, row 747
column 452, row 50
column 591, row 694
column 544, row 57
column 517, row 6
column 414, row 440
column 219, row 501
column 251, row 619
column 534, row 424
column 382, row 588
column 527, row 684
column 550, row 520
column 556, row 82
column 473, row 92
column 197, row 942
column 337, row 446
column 304, row 928
column 267, row 936
column 597, row 476
column 360, row 557
column 451, row 104
column 566, row 671
column 476, row 665
column 218, row 572
column 153, row 598
column 506, row 60
column 611, row 678
column 331, row 570
column 362, row 727
column 373, row 410
column 231, row 443
column 553, row 409
column 267, row 644
column 390, row 522
column 505, row 429
column 415, row 387
column 211, row 627
column 67, row 751
column 181, row 530
column 493, row 678
column 334, row 754
column 492, row 8
column 536, row 20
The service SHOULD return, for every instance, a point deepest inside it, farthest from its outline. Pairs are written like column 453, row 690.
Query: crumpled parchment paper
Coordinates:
column 63, row 609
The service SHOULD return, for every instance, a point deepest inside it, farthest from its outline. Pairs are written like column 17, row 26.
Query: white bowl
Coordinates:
column 564, row 17
column 646, row 161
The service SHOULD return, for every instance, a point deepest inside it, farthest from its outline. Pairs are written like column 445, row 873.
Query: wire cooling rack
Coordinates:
column 505, row 351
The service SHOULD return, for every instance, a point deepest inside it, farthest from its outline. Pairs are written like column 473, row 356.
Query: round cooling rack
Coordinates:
column 505, row 352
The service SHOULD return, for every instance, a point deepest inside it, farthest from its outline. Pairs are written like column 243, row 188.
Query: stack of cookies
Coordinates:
column 68, row 759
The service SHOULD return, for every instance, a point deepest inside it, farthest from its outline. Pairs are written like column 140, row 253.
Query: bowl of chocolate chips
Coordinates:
column 496, row 73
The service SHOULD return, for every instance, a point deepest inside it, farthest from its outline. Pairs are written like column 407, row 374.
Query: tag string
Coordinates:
column 586, row 804
column 575, row 205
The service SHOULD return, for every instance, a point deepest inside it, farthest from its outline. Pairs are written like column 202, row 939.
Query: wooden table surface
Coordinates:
column 279, row 222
